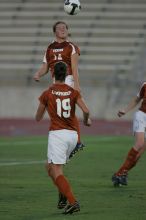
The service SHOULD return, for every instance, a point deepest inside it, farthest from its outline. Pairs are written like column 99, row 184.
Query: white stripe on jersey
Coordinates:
column 44, row 59
column 73, row 49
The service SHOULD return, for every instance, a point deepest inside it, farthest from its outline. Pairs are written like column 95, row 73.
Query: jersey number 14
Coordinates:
column 58, row 56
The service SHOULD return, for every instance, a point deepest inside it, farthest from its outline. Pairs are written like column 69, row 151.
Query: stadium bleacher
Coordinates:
column 111, row 35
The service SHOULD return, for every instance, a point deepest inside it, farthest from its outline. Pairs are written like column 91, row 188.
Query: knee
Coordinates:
column 49, row 173
column 48, row 169
column 139, row 145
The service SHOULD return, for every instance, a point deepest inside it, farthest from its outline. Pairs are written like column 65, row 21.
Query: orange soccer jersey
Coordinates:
column 142, row 95
column 60, row 52
column 60, row 101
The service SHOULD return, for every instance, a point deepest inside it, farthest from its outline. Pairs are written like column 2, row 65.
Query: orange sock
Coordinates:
column 65, row 189
column 135, row 162
column 130, row 162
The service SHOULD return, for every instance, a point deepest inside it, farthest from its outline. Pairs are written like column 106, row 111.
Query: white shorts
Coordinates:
column 139, row 122
column 60, row 144
column 69, row 80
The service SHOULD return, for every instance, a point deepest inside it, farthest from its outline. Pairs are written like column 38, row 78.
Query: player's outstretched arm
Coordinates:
column 41, row 72
column 82, row 105
column 130, row 106
column 121, row 113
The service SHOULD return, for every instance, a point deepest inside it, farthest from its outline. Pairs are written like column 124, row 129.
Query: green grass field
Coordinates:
column 26, row 192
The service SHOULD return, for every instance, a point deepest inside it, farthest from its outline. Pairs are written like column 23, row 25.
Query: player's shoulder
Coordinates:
column 46, row 91
column 75, row 46
column 73, row 91
column 62, row 86
column 143, row 84
column 73, row 43
column 52, row 44
column 51, row 87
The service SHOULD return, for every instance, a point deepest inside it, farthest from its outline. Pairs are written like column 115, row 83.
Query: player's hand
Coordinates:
column 36, row 78
column 88, row 122
column 121, row 113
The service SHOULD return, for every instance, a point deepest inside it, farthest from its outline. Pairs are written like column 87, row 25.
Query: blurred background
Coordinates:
column 110, row 33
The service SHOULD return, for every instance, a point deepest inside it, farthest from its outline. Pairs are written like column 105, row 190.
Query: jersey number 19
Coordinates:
column 63, row 107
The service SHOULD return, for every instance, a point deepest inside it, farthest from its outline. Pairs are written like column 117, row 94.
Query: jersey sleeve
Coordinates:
column 75, row 49
column 44, row 98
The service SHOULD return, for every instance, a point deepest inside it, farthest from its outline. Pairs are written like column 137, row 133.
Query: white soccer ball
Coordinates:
column 72, row 7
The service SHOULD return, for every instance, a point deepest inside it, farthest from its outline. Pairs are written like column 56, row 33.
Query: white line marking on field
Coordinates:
column 22, row 163
column 16, row 143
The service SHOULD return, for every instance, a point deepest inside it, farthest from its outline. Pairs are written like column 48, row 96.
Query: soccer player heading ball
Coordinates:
column 62, row 50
